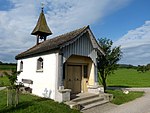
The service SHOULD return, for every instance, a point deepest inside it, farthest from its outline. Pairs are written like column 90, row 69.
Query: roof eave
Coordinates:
column 18, row 57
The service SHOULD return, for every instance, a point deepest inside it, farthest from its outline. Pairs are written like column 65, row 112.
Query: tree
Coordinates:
column 142, row 68
column 107, row 63
column 12, row 77
column 13, row 88
column 148, row 66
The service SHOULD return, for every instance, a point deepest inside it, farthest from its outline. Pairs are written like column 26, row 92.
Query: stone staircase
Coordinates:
column 88, row 100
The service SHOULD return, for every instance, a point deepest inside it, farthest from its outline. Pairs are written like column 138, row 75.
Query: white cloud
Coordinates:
column 62, row 16
column 136, row 37
column 136, row 45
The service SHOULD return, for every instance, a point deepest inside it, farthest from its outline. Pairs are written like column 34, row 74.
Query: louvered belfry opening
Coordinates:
column 41, row 29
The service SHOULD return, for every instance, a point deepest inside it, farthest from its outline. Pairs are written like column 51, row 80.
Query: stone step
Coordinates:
column 91, row 100
column 88, row 100
column 85, row 97
column 94, row 104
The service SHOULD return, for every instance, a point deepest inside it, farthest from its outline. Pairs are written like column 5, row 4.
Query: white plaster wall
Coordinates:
column 43, row 82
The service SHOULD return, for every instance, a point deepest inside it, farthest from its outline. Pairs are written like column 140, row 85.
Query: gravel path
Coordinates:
column 139, row 105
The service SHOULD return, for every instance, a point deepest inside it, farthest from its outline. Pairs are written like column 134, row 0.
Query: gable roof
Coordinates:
column 57, row 43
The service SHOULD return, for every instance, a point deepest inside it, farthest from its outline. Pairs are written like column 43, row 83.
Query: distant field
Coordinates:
column 129, row 78
column 7, row 66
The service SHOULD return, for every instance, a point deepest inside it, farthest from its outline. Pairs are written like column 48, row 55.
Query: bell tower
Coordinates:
column 41, row 30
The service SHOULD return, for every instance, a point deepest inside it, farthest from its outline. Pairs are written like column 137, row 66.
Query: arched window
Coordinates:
column 21, row 66
column 40, row 64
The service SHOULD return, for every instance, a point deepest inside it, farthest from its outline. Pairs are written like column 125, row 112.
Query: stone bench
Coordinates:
column 26, row 89
column 27, row 81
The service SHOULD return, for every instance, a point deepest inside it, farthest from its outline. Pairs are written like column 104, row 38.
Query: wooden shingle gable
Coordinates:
column 91, row 37
column 82, row 46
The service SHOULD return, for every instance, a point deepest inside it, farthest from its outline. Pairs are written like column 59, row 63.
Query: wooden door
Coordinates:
column 74, row 78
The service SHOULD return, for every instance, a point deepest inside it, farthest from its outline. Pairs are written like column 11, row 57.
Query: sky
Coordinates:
column 125, row 22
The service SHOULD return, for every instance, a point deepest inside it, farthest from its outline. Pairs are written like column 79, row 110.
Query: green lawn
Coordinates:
column 33, row 104
column 120, row 97
column 129, row 78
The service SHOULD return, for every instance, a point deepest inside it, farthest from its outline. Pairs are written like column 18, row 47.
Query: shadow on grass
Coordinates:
column 22, row 105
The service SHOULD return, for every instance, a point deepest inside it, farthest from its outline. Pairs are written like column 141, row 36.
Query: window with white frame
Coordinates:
column 40, row 64
column 21, row 66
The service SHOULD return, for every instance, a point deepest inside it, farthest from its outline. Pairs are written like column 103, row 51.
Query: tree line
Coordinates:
column 2, row 63
column 139, row 68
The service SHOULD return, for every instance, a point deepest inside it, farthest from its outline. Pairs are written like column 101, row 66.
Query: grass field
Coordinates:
column 120, row 97
column 33, row 104
column 7, row 66
column 129, row 78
